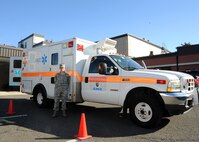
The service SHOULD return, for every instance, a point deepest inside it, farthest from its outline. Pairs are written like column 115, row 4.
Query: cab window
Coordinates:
column 95, row 61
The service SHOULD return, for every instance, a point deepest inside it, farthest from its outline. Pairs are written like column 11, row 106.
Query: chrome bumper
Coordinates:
column 178, row 103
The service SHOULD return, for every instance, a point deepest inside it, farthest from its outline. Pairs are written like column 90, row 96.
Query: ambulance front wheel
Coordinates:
column 145, row 111
column 40, row 98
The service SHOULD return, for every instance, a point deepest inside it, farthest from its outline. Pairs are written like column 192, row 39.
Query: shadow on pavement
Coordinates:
column 101, row 122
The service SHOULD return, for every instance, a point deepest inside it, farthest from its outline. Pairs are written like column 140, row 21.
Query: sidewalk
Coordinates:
column 7, row 93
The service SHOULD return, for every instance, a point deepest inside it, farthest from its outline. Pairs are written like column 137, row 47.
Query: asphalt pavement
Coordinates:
column 30, row 124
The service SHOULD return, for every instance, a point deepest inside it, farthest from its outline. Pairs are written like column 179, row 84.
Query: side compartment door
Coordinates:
column 15, row 71
column 101, row 88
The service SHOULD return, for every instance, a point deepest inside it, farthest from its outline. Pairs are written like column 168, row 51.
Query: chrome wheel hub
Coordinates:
column 143, row 112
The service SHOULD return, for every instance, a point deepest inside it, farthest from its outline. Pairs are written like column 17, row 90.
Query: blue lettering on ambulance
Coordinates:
column 97, row 89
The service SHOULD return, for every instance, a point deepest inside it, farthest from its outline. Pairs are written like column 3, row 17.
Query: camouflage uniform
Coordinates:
column 62, row 80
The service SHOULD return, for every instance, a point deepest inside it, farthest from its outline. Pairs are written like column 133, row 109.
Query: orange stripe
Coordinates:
column 143, row 80
column 51, row 74
column 120, row 79
column 114, row 79
column 76, row 74
column 32, row 74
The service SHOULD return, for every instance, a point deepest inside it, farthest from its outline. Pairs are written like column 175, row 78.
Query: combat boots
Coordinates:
column 54, row 114
column 64, row 113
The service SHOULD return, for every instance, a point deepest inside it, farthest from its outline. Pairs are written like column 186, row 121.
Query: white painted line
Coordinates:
column 14, row 116
column 73, row 140
column 6, row 121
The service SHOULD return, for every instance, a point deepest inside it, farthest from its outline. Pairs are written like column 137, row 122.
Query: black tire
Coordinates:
column 40, row 97
column 145, row 111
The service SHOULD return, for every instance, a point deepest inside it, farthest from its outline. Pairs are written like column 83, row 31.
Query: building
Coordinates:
column 127, row 44
column 132, row 46
column 6, row 52
column 185, row 58
column 32, row 41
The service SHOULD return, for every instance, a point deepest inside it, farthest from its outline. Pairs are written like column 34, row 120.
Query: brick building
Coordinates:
column 185, row 58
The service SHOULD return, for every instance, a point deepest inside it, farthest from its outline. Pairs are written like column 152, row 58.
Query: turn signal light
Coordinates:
column 161, row 81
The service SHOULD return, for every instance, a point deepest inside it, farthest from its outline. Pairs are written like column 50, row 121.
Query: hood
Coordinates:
column 178, row 74
column 161, row 74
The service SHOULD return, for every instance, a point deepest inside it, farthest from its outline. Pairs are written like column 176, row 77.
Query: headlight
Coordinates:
column 174, row 86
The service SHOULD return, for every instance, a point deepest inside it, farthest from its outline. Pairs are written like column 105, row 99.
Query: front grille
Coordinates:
column 188, row 84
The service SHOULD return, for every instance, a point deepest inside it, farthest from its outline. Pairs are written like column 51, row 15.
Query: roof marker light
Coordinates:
column 70, row 44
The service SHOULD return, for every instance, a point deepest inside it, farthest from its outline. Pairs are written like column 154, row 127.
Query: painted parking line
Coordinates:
column 4, row 121
column 14, row 116
column 74, row 140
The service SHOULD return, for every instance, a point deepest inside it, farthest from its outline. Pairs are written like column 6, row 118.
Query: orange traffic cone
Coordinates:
column 10, row 109
column 82, row 134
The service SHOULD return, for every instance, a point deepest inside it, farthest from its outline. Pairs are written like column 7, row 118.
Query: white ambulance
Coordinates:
column 15, row 71
column 98, row 74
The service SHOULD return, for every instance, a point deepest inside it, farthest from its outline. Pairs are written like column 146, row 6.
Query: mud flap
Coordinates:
column 196, row 96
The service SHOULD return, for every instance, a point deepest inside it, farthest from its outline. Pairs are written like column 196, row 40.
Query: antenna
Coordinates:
column 143, row 63
column 164, row 48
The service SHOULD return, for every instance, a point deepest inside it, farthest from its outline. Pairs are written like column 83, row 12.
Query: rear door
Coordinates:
column 15, row 71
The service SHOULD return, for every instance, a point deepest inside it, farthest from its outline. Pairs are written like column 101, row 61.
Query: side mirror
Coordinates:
column 102, row 68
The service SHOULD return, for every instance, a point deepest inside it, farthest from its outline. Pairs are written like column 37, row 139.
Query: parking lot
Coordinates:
column 31, row 123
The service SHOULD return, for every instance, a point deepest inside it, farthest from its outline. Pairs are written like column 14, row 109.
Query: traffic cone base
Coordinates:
column 10, row 109
column 82, row 134
column 83, row 138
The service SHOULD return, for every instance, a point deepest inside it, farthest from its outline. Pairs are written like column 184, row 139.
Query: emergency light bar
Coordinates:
column 106, row 46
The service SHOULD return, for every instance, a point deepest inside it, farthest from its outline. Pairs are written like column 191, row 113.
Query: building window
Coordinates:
column 21, row 45
column 25, row 45
column 17, row 64
column 54, row 59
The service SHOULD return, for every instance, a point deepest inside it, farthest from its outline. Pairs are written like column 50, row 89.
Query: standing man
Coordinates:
column 62, row 81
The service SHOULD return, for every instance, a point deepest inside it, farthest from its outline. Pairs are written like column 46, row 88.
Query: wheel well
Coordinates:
column 38, row 87
column 140, row 91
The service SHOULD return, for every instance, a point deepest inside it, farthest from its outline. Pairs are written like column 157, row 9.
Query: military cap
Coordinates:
column 62, row 66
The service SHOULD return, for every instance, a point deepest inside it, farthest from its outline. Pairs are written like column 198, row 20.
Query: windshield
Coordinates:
column 126, row 63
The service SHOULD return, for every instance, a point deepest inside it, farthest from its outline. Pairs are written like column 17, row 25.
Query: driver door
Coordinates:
column 101, row 88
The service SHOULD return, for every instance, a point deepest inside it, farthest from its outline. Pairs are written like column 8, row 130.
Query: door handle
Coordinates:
column 86, row 79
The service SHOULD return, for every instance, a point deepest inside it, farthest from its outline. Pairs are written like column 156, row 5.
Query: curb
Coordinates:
column 8, row 93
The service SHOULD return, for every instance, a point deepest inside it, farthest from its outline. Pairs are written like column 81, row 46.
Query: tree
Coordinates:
column 186, row 44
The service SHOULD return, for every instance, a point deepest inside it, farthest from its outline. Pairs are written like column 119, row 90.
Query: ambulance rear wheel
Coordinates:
column 40, row 98
column 145, row 111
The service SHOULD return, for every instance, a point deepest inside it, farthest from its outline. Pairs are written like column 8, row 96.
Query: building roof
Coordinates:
column 42, row 43
column 10, row 47
column 38, row 35
column 143, row 40
column 7, row 51
column 156, row 56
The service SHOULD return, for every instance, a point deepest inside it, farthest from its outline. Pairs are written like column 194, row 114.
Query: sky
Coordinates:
column 167, row 23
